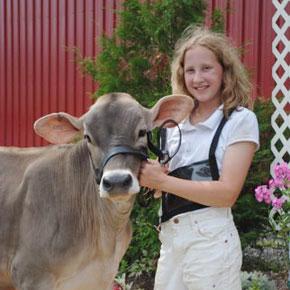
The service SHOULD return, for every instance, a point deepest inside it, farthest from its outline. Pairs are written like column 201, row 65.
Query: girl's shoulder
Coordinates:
column 242, row 125
column 242, row 114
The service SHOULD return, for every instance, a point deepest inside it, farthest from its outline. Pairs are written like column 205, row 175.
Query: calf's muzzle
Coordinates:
column 119, row 180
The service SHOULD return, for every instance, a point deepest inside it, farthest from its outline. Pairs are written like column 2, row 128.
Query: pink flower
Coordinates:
column 116, row 286
column 262, row 193
column 267, row 199
column 278, row 202
column 259, row 194
column 276, row 183
column 282, row 171
column 276, row 194
column 272, row 184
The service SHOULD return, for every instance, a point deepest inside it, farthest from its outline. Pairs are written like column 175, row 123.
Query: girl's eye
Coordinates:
column 190, row 70
column 206, row 67
column 142, row 133
column 87, row 137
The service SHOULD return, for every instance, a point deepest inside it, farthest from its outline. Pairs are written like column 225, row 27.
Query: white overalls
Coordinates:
column 201, row 248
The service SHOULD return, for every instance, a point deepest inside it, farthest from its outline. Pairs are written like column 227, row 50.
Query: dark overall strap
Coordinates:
column 169, row 201
column 212, row 159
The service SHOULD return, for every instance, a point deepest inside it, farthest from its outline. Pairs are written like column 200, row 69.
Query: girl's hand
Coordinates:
column 152, row 174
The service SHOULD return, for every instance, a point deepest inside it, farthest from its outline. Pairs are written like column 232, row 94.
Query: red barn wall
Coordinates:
column 38, row 74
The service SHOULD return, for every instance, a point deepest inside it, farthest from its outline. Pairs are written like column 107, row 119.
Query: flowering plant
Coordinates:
column 277, row 194
column 120, row 283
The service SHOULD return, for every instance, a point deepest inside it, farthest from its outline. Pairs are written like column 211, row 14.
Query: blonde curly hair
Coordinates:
column 236, row 87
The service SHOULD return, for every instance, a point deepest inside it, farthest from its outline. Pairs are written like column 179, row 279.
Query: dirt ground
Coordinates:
column 280, row 280
column 146, row 282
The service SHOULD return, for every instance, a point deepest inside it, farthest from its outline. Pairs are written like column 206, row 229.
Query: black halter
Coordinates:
column 142, row 154
column 116, row 150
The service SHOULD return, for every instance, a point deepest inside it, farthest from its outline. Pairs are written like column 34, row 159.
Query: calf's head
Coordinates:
column 115, row 130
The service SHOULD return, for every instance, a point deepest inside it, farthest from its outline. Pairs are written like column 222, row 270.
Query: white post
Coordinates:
column 280, row 144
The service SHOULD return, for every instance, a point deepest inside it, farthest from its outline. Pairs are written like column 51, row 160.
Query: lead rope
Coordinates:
column 146, row 195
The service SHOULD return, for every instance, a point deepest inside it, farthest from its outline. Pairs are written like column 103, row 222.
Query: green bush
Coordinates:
column 250, row 216
column 256, row 281
column 143, row 252
column 137, row 58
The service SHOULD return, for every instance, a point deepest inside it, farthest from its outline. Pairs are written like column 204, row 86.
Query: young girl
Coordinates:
column 200, row 244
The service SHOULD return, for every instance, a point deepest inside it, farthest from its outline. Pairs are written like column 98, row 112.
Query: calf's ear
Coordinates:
column 175, row 107
column 58, row 128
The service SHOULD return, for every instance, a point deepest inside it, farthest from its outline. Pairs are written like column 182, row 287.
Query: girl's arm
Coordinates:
column 221, row 193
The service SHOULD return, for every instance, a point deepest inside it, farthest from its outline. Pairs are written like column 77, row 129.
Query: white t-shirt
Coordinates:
column 196, row 139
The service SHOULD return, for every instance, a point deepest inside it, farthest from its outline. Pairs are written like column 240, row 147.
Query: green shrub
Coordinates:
column 250, row 216
column 143, row 252
column 218, row 19
column 256, row 281
column 137, row 58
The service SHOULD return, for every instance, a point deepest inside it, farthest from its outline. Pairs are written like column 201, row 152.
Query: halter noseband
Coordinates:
column 116, row 150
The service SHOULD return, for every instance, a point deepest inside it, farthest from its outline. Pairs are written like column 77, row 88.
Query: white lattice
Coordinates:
column 280, row 144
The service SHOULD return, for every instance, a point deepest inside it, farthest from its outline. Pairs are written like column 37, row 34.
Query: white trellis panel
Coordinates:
column 280, row 144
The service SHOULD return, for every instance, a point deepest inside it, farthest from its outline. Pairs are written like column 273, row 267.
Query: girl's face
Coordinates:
column 203, row 75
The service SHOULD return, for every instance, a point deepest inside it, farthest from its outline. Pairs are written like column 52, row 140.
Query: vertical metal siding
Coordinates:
column 249, row 24
column 38, row 74
column 2, row 74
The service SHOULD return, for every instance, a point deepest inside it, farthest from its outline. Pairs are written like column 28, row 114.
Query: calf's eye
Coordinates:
column 142, row 133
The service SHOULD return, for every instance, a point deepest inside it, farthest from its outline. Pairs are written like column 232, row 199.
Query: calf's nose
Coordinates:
column 122, row 181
